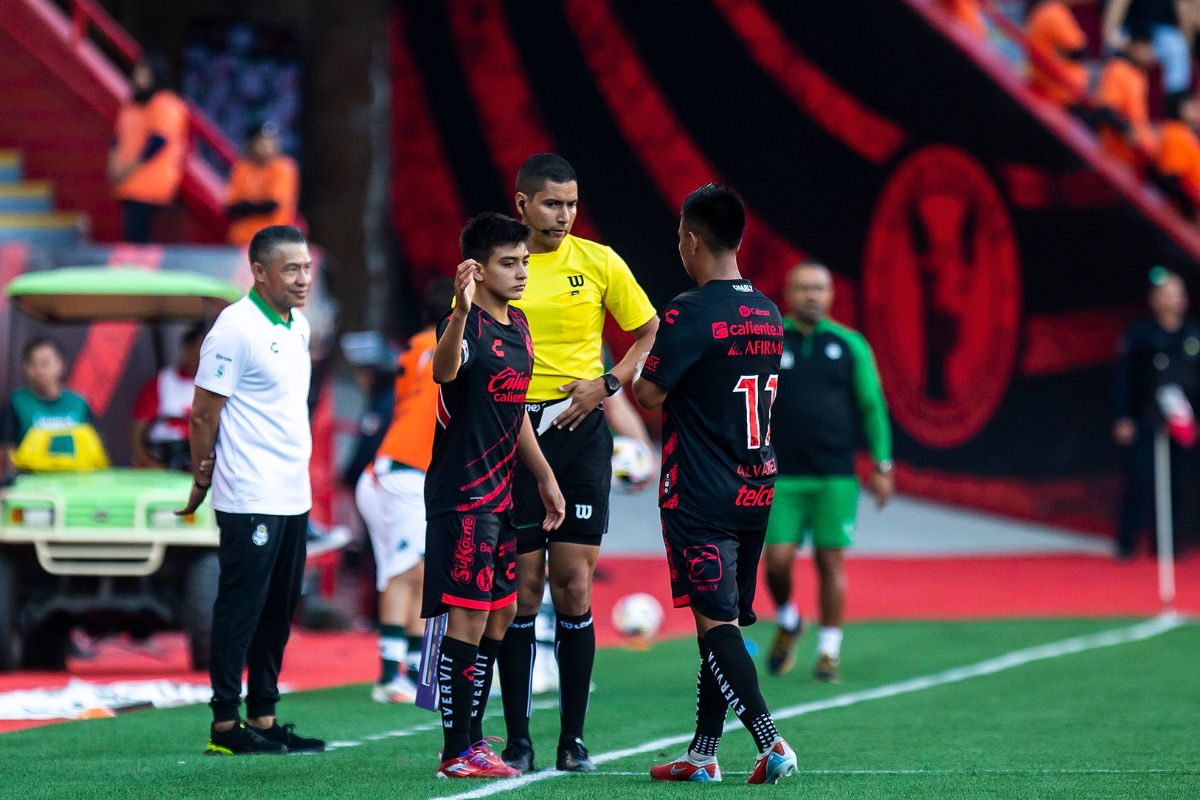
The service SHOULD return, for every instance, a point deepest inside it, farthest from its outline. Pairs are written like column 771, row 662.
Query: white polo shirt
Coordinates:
column 262, row 365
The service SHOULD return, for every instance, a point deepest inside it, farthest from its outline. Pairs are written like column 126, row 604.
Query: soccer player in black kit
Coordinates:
column 714, row 369
column 483, row 363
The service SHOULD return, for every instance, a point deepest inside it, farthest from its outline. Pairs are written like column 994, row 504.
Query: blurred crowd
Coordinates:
column 1123, row 67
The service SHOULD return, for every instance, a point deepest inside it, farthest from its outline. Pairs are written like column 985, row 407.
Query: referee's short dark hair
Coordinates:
column 486, row 232
column 270, row 237
column 716, row 215
column 540, row 169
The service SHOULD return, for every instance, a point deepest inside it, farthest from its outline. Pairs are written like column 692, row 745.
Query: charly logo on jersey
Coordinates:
column 274, row 347
column 743, row 287
column 260, row 535
column 833, row 351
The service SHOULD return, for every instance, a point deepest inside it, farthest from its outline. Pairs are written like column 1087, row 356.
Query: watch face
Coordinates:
column 611, row 383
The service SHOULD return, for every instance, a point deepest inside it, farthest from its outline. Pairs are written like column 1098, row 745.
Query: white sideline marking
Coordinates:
column 1098, row 771
column 1078, row 644
column 399, row 733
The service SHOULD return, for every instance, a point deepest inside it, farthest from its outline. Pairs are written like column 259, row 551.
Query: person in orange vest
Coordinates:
column 968, row 14
column 1054, row 31
column 145, row 165
column 1125, row 131
column 1179, row 151
column 264, row 186
column 390, row 497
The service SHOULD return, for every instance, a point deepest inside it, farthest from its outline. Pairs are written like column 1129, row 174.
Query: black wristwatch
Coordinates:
column 611, row 383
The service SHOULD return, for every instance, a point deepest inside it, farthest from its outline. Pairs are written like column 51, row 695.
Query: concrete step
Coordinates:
column 10, row 166
column 52, row 228
column 26, row 197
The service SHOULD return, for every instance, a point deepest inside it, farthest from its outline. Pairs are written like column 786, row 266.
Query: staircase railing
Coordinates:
column 89, row 14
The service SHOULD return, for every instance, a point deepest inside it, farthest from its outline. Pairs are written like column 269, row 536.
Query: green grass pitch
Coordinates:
column 1114, row 721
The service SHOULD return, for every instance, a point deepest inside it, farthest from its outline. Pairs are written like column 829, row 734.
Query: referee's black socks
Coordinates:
column 456, row 670
column 575, row 644
column 737, row 679
column 516, row 675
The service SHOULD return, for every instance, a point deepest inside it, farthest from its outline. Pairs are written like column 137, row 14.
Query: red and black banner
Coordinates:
column 988, row 253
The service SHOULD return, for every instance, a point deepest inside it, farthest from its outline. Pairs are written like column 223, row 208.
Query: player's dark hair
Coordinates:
column 540, row 169
column 193, row 334
column 38, row 342
column 270, row 237
column 484, row 233
column 436, row 300
column 717, row 215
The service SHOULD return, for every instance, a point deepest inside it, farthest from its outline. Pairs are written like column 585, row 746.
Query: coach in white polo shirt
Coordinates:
column 251, row 407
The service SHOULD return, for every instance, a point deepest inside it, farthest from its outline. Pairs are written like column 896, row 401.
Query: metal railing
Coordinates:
column 87, row 15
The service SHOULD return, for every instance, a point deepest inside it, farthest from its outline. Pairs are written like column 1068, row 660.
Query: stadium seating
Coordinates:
column 27, row 208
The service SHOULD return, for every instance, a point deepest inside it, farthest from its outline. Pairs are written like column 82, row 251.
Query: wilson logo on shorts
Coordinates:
column 703, row 562
column 464, row 553
column 583, row 511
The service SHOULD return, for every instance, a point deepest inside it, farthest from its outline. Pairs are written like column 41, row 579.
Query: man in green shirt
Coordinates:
column 44, row 404
column 829, row 398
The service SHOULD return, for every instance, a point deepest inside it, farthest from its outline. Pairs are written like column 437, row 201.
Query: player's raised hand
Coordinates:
column 552, row 499
column 464, row 285
column 586, row 397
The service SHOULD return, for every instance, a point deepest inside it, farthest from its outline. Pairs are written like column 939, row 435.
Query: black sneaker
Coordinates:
column 292, row 742
column 519, row 755
column 573, row 757
column 241, row 740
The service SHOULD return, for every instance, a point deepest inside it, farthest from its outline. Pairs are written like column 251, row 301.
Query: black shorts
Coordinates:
column 470, row 562
column 582, row 463
column 714, row 570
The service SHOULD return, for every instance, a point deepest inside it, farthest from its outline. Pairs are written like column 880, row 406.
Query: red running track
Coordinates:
column 878, row 589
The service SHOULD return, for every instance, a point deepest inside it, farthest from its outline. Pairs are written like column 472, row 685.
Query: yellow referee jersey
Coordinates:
column 566, row 295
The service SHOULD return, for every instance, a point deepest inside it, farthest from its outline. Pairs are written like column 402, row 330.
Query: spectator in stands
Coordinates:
column 1179, row 152
column 160, row 415
column 968, row 14
column 1155, row 352
column 145, row 165
column 1165, row 21
column 1055, row 33
column 1125, row 130
column 45, row 425
column 264, row 186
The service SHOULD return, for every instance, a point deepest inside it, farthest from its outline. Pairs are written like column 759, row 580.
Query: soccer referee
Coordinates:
column 829, row 391
column 572, row 283
column 251, row 408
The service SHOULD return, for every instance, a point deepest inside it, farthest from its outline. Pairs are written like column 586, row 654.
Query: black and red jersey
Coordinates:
column 717, row 354
column 479, row 416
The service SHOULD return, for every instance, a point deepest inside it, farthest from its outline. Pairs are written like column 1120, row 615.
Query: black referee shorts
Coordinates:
column 582, row 463
column 713, row 569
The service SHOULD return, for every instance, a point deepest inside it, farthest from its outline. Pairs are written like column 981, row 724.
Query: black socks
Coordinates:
column 575, row 646
column 456, row 685
column 485, row 663
column 711, row 709
column 516, row 675
column 737, row 679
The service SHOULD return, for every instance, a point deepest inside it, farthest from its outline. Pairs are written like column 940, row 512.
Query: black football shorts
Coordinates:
column 470, row 562
column 714, row 570
column 582, row 464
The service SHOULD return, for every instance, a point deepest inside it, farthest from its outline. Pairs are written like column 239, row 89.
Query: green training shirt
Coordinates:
column 829, row 399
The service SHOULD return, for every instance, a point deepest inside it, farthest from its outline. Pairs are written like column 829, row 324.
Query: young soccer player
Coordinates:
column 714, row 370
column 483, row 363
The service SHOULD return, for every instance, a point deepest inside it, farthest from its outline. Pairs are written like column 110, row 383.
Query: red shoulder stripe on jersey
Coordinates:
column 443, row 414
